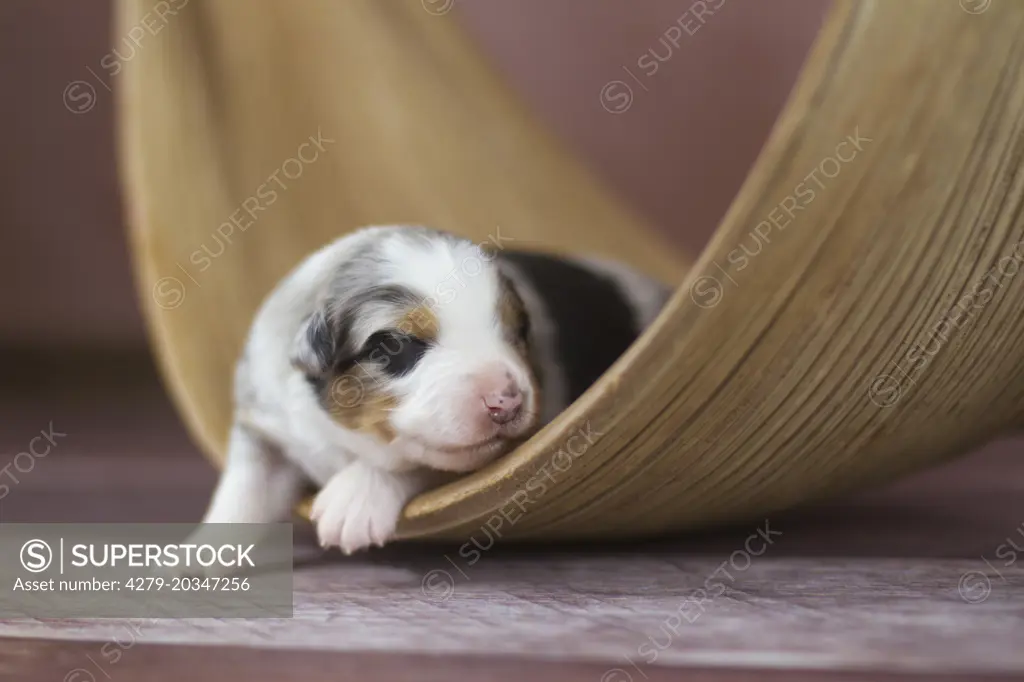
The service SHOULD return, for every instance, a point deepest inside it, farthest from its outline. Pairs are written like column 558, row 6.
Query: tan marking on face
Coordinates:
column 420, row 322
column 355, row 400
column 512, row 314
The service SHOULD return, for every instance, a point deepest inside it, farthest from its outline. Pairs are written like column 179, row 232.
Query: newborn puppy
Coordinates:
column 395, row 354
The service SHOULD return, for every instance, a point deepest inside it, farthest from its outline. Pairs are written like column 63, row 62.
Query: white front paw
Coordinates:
column 358, row 508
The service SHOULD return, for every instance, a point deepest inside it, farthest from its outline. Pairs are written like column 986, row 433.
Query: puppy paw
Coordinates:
column 359, row 508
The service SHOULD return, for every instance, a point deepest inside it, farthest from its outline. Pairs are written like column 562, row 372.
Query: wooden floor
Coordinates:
column 47, row 661
column 903, row 580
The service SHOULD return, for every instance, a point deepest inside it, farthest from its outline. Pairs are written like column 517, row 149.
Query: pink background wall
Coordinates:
column 679, row 151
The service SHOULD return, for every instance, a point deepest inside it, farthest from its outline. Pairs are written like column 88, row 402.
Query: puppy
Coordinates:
column 395, row 356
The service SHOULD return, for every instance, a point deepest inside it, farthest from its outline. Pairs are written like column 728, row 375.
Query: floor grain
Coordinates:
column 43, row 661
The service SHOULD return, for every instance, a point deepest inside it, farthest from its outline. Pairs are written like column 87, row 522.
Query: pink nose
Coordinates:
column 504, row 406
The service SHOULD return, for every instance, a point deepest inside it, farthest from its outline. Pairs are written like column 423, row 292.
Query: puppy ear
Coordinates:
column 317, row 345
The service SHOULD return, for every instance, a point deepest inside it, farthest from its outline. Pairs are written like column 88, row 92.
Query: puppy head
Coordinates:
column 421, row 342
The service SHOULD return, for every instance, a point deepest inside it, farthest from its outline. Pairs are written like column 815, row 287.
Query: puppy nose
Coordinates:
column 504, row 406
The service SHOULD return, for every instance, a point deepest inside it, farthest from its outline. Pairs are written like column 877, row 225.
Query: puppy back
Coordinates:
column 596, row 309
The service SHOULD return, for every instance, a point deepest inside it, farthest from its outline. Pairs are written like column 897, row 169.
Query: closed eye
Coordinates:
column 395, row 352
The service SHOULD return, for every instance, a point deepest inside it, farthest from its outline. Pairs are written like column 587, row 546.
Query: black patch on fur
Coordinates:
column 327, row 332
column 394, row 351
column 595, row 322
column 323, row 339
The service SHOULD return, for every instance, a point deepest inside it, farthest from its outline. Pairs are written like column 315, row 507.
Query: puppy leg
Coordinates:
column 258, row 485
column 361, row 504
